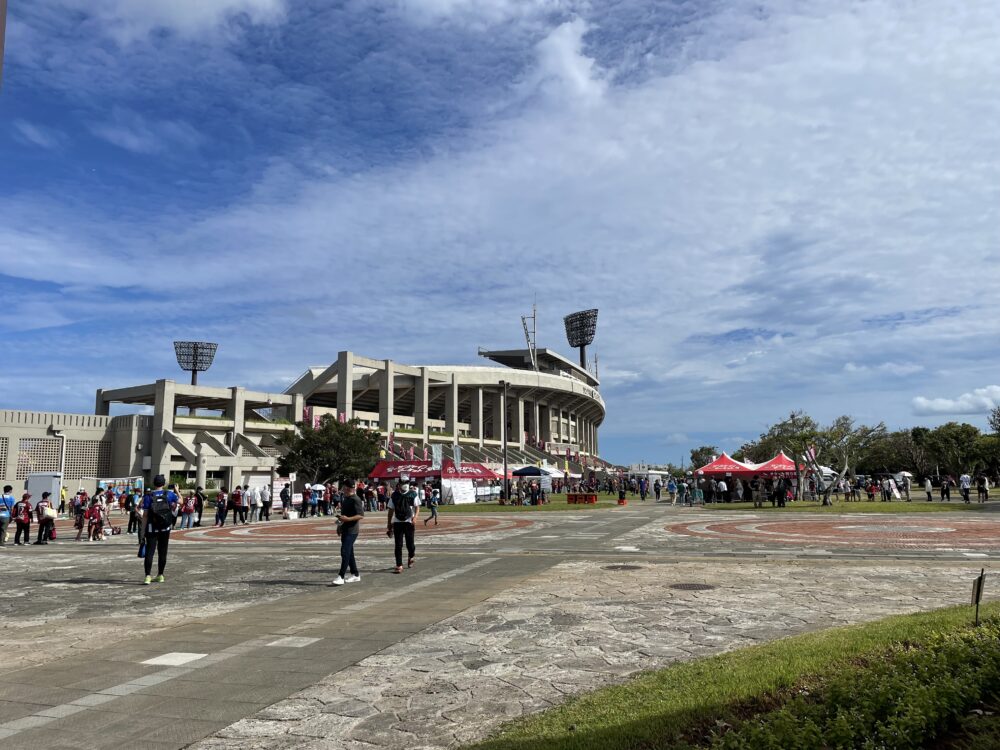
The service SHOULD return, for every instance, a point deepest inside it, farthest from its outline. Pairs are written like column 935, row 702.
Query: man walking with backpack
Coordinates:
column 159, row 509
column 403, row 510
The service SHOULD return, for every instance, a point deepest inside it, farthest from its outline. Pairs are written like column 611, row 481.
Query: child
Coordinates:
column 433, row 505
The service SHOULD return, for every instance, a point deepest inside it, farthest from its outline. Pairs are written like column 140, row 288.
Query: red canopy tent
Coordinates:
column 395, row 469
column 725, row 464
column 466, row 471
column 422, row 470
column 780, row 464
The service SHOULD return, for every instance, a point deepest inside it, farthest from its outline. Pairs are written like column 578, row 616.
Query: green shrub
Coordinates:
column 903, row 700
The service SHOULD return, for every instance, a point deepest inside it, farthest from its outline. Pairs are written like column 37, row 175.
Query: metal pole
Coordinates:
column 194, row 371
column 503, row 435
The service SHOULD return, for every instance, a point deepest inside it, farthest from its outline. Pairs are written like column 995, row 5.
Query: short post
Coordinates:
column 977, row 591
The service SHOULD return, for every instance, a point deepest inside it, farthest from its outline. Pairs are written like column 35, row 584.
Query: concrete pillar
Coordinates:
column 534, row 429
column 517, row 421
column 387, row 399
column 345, row 385
column 201, row 469
column 476, row 423
column 163, row 420
column 421, row 402
column 497, row 414
column 451, row 407
column 101, row 407
column 298, row 408
column 236, row 411
column 545, row 423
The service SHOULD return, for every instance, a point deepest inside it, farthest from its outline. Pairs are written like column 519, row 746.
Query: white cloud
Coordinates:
column 887, row 368
column 979, row 401
column 37, row 135
column 563, row 70
column 133, row 132
column 797, row 167
column 475, row 12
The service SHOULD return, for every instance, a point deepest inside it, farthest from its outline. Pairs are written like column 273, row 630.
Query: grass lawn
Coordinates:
column 656, row 709
column 557, row 503
column 839, row 506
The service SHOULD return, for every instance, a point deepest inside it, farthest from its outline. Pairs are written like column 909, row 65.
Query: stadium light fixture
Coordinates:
column 195, row 356
column 580, row 330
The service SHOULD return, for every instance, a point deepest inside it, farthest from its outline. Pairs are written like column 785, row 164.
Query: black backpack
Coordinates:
column 402, row 507
column 159, row 510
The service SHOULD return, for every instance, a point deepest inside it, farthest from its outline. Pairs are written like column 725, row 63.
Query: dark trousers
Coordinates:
column 133, row 522
column 403, row 532
column 243, row 513
column 347, row 561
column 45, row 531
column 265, row 512
column 156, row 544
column 23, row 528
column 220, row 515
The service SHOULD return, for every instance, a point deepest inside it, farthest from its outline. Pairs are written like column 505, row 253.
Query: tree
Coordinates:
column 331, row 451
column 953, row 447
column 794, row 435
column 702, row 455
column 994, row 420
column 838, row 445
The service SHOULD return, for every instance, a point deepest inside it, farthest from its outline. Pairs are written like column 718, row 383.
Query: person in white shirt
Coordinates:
column 965, row 484
column 722, row 491
column 255, row 503
column 929, row 489
column 265, row 503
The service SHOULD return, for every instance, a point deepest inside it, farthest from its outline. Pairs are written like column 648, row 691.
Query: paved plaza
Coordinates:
column 247, row 646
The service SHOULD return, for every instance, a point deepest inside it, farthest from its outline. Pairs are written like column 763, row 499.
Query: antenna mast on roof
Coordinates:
column 530, row 335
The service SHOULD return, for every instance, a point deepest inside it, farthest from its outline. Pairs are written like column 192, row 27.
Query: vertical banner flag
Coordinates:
column 425, row 451
column 436, row 453
column 457, row 450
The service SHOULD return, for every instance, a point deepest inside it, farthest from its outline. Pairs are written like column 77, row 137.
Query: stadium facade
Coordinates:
column 548, row 410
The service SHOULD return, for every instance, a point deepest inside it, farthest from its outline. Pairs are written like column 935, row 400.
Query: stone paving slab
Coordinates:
column 579, row 628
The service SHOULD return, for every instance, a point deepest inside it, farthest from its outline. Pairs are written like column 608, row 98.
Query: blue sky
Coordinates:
column 776, row 205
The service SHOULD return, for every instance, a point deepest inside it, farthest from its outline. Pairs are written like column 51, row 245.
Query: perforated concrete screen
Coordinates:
column 3, row 458
column 37, row 454
column 88, row 458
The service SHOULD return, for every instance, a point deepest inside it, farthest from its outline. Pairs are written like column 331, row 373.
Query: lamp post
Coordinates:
column 503, row 440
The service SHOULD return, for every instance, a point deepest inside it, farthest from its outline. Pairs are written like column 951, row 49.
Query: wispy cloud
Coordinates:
column 133, row 132
column 887, row 368
column 36, row 135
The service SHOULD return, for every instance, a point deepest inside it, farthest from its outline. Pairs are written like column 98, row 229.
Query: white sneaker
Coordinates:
column 352, row 579
column 338, row 581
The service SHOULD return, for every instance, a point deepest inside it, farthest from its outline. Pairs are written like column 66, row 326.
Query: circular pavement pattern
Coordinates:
column 909, row 533
column 324, row 529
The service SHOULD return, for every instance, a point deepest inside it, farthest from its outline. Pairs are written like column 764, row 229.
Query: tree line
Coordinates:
column 849, row 448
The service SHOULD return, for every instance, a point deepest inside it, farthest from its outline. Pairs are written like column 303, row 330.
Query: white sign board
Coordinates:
column 460, row 491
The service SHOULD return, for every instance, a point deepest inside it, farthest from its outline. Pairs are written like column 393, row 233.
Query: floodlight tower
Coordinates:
column 195, row 357
column 580, row 329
